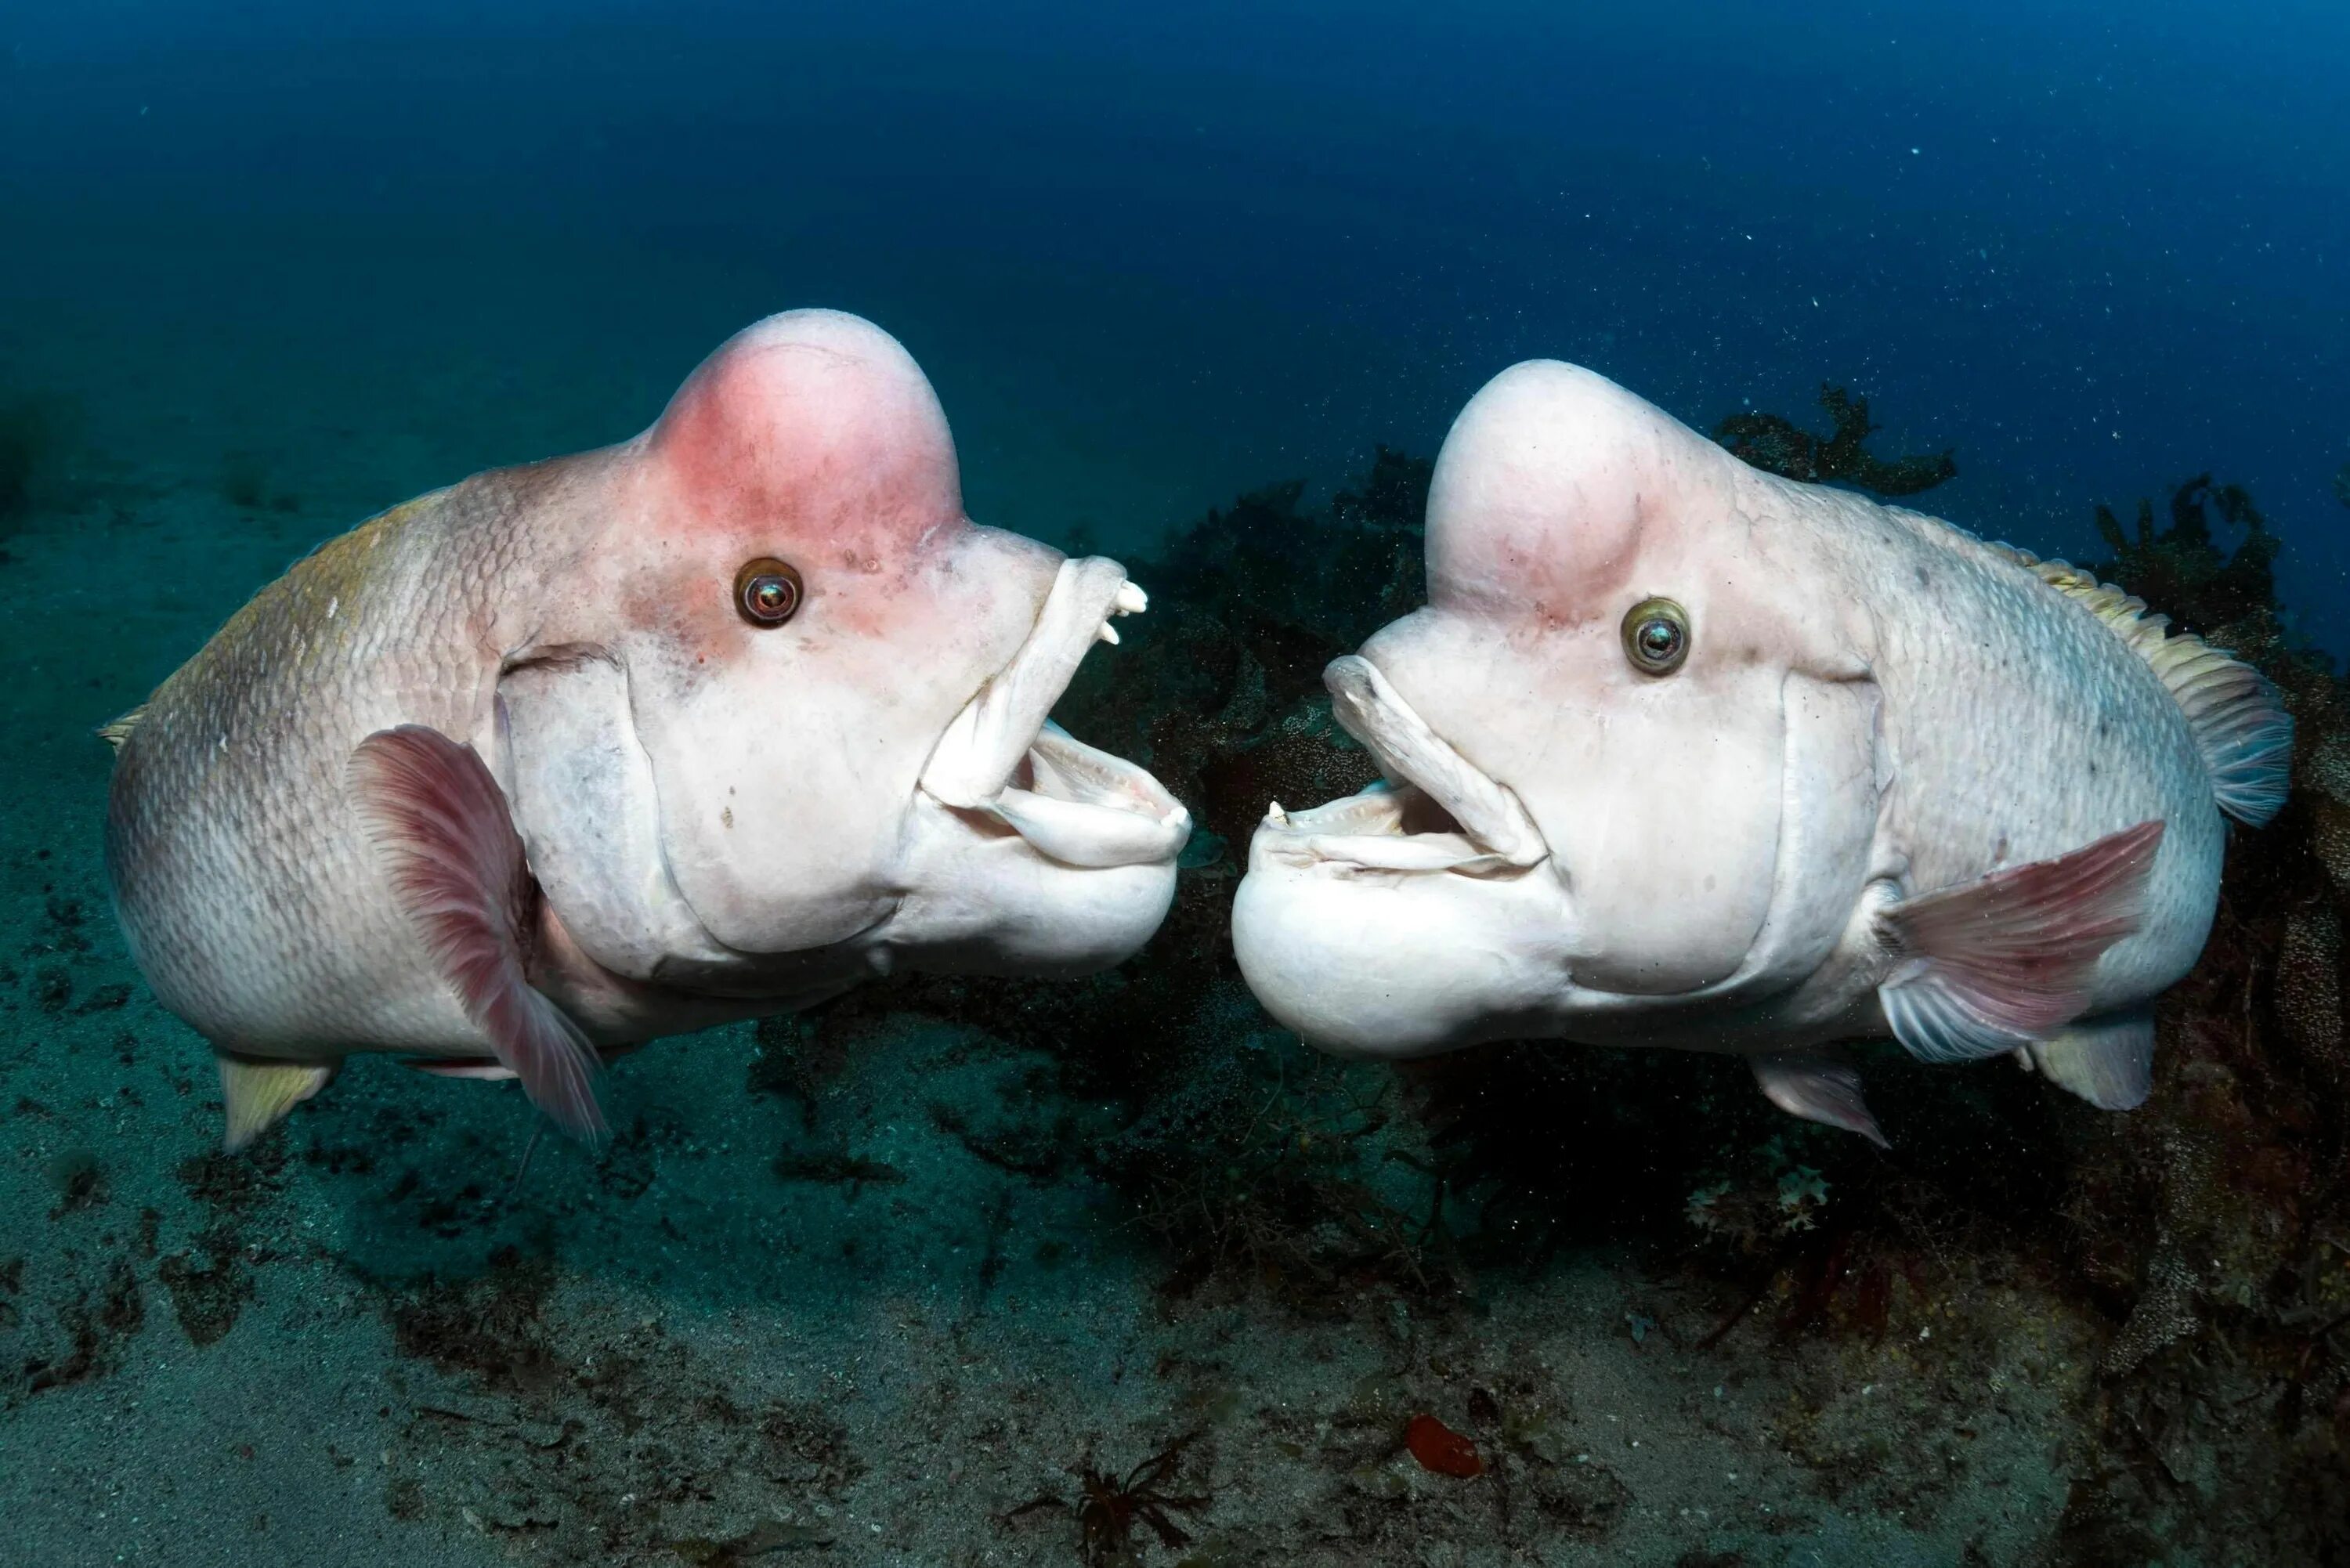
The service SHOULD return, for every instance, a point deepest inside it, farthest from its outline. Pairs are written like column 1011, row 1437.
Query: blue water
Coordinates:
column 854, row 1290
column 2094, row 249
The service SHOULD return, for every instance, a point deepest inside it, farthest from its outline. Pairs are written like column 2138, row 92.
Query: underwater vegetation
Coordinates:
column 2208, row 1233
column 2153, row 1309
column 1777, row 446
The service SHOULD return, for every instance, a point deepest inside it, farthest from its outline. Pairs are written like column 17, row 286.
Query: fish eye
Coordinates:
column 767, row 591
column 1656, row 636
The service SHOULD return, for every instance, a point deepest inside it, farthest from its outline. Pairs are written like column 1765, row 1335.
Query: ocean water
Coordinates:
column 908, row 1279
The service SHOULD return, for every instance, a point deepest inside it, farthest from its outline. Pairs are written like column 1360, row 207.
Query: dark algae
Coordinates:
column 1057, row 1249
column 1507, row 1301
column 1778, row 446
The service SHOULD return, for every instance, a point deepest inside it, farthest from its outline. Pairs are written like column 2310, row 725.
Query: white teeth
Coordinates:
column 1131, row 600
column 1105, row 633
column 1274, row 815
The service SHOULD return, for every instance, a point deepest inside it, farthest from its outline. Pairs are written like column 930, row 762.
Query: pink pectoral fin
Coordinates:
column 1818, row 1088
column 456, row 867
column 2010, row 959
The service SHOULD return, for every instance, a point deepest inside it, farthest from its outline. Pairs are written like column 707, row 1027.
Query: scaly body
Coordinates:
column 704, row 725
column 1684, row 755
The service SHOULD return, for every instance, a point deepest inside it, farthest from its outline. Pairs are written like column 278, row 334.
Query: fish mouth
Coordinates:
column 1004, row 765
column 1435, row 811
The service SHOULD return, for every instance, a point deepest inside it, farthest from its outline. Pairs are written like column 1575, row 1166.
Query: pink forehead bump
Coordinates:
column 1549, row 485
column 814, row 428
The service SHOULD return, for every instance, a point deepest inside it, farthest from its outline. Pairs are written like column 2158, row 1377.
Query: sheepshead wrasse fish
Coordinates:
column 704, row 726
column 1681, row 754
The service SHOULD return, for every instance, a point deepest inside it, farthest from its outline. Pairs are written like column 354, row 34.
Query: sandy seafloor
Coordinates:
column 345, row 1348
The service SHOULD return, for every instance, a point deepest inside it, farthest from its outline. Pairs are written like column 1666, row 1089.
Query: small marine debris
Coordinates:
column 1109, row 1506
column 1440, row 1450
column 1776, row 446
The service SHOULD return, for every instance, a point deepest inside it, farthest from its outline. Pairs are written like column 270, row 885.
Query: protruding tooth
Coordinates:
column 1275, row 815
column 1105, row 633
column 1131, row 600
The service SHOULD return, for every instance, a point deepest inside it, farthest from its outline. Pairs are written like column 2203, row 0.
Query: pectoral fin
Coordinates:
column 457, row 869
column 1997, row 963
column 258, row 1094
column 2107, row 1061
column 1818, row 1088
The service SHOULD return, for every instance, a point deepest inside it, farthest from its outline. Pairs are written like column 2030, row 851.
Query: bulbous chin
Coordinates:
column 1400, row 966
column 981, row 902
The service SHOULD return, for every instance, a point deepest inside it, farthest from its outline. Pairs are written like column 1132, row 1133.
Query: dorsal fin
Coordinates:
column 2239, row 721
column 116, row 730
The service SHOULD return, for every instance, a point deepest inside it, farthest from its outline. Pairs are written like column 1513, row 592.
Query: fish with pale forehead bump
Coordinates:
column 707, row 726
column 1681, row 754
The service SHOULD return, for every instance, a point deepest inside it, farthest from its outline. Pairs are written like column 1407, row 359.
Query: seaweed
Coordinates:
column 1778, row 446
column 2182, row 570
column 2212, row 1223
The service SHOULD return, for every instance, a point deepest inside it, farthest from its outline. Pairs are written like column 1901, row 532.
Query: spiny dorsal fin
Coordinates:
column 2239, row 721
column 115, row 731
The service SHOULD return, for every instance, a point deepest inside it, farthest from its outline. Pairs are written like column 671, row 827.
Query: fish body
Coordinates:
column 706, row 725
column 1682, row 754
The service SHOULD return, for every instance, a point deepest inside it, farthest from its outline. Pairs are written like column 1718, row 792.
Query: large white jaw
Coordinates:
column 1422, row 914
column 1435, row 811
column 1002, row 761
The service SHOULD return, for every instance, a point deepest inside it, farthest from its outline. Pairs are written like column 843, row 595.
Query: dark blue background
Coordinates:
column 2094, row 248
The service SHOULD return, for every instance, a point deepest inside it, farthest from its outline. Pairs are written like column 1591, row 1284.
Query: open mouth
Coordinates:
column 1435, row 810
column 1003, row 760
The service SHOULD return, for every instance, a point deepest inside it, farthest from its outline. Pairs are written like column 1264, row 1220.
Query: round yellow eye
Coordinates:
column 1656, row 636
column 767, row 591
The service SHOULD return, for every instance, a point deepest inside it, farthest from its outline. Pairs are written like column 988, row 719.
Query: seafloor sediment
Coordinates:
column 933, row 1275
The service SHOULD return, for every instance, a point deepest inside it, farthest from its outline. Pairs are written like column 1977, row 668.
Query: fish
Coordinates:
column 1681, row 754
column 709, row 724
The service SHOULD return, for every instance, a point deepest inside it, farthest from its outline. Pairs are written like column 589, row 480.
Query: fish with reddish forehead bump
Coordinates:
column 704, row 726
column 1681, row 754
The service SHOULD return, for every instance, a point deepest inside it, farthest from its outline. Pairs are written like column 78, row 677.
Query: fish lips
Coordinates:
column 1003, row 764
column 1435, row 811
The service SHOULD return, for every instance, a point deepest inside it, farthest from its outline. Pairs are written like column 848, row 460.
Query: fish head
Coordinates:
column 1586, row 814
column 793, row 698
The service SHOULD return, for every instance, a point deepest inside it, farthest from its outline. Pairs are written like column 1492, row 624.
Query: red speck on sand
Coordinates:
column 1438, row 1447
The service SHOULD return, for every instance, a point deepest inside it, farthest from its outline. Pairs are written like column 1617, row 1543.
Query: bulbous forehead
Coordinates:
column 813, row 429
column 1552, row 484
